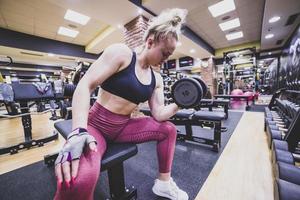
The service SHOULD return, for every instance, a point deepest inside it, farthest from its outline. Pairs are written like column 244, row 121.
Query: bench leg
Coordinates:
column 49, row 159
column 189, row 132
column 117, row 184
column 226, row 111
column 217, row 136
column 247, row 104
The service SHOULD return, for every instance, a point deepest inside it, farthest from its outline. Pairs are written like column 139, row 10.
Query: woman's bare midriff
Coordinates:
column 114, row 103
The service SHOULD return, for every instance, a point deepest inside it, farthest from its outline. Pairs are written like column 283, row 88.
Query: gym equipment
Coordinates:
column 282, row 125
column 282, row 156
column 203, row 85
column 284, row 190
column 214, row 103
column 24, row 93
column 244, row 97
column 239, row 66
column 187, row 92
column 288, row 172
column 81, row 69
column 5, row 60
column 6, row 93
column 279, row 144
column 251, row 94
column 112, row 161
column 237, row 92
column 69, row 90
column 286, row 111
column 189, row 118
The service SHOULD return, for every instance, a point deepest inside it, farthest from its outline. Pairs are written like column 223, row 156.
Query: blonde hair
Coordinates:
column 168, row 22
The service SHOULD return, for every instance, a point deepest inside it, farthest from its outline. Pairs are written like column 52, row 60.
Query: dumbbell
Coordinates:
column 69, row 90
column 188, row 92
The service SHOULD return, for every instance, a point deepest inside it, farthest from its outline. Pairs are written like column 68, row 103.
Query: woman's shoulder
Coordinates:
column 119, row 53
column 119, row 49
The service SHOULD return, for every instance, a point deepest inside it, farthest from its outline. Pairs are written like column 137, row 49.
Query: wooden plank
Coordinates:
column 244, row 169
column 11, row 132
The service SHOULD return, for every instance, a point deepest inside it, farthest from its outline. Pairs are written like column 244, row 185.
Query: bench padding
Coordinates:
column 191, row 114
column 215, row 101
column 210, row 116
column 184, row 114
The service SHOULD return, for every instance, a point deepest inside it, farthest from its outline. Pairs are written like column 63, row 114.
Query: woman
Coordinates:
column 126, row 79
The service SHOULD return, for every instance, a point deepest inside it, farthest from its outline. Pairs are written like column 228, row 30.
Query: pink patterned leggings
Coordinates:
column 107, row 126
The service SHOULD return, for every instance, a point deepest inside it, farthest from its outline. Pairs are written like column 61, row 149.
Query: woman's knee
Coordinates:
column 83, row 185
column 169, row 129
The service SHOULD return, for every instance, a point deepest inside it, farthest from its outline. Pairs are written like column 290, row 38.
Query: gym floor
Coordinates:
column 234, row 176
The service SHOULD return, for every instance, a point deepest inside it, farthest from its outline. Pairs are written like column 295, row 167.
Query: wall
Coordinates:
column 288, row 69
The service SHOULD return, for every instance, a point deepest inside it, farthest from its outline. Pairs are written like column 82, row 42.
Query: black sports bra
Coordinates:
column 125, row 84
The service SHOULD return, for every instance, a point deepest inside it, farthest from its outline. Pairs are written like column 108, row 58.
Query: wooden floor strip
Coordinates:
column 11, row 133
column 243, row 171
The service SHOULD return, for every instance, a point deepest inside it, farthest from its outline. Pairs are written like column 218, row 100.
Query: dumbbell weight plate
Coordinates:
column 203, row 85
column 69, row 90
column 187, row 92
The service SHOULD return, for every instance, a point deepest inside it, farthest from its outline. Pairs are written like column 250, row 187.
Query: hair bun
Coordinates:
column 168, row 21
column 176, row 20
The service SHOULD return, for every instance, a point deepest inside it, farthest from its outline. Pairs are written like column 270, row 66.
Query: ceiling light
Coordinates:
column 120, row 26
column 235, row 35
column 269, row 36
column 270, row 53
column 8, row 68
column 50, row 54
column 76, row 17
column 192, row 51
column 67, row 32
column 221, row 8
column 39, row 70
column 274, row 19
column 230, row 24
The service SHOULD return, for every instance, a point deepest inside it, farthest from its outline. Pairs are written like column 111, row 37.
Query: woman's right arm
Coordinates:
column 107, row 64
column 114, row 57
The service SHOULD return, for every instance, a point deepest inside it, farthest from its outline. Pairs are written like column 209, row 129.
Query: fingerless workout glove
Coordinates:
column 73, row 148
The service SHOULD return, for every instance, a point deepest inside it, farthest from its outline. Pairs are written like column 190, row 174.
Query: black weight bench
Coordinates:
column 242, row 97
column 189, row 118
column 25, row 94
column 112, row 161
column 214, row 103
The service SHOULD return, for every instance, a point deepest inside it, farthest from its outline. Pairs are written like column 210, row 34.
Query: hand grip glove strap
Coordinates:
column 74, row 146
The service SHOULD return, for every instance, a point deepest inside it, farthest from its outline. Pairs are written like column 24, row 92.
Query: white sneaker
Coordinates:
column 169, row 189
